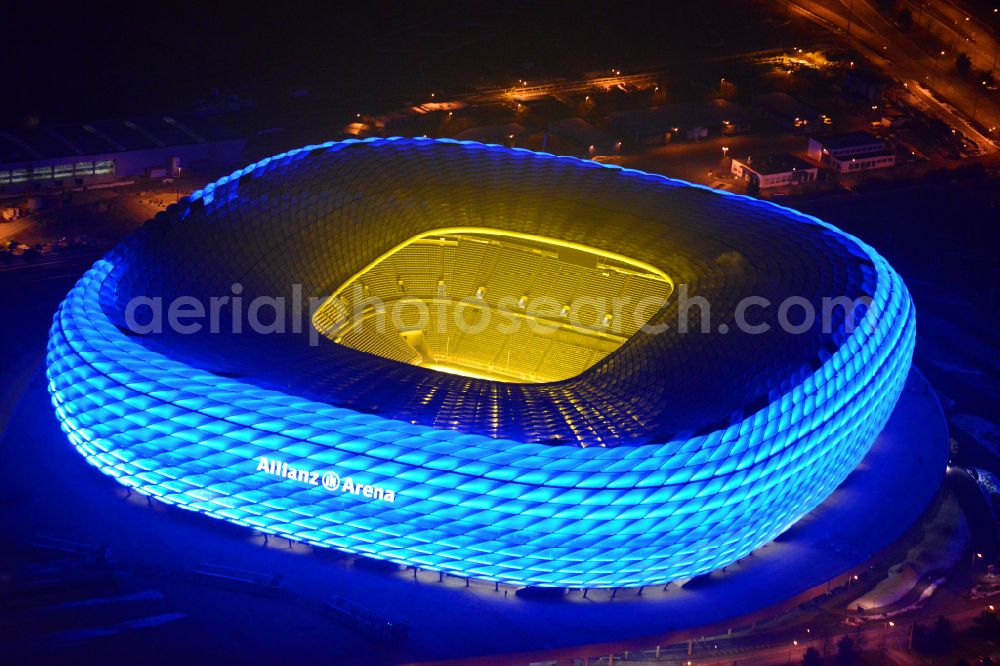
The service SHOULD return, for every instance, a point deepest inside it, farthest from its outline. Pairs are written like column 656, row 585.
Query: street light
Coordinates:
column 790, row 645
column 975, row 102
column 885, row 630
column 934, row 72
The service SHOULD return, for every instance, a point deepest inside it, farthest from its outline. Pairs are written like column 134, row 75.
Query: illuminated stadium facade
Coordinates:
column 606, row 452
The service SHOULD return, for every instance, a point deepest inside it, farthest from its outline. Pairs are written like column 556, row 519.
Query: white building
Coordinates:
column 879, row 160
column 770, row 171
column 851, row 152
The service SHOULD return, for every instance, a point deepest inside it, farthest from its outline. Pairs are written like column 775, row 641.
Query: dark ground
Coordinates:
column 80, row 60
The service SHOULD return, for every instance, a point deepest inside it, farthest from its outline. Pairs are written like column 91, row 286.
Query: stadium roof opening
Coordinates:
column 494, row 304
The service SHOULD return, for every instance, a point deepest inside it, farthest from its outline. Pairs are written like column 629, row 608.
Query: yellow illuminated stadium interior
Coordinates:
column 494, row 304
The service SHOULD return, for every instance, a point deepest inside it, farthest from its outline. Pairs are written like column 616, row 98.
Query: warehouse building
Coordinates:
column 108, row 151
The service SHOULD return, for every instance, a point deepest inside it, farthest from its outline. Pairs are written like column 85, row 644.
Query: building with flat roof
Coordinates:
column 878, row 160
column 842, row 145
column 851, row 152
column 869, row 85
column 105, row 151
column 388, row 123
column 789, row 111
column 586, row 138
column 779, row 170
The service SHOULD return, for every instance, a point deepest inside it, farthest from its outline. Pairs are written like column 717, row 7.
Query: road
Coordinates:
column 963, row 30
column 14, row 229
column 785, row 649
column 896, row 52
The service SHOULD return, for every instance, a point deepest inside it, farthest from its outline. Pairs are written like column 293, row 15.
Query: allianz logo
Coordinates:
column 331, row 481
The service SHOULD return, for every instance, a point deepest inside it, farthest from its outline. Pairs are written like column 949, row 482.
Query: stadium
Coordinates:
column 590, row 445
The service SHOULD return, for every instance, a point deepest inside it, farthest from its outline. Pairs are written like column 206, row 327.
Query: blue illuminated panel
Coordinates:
column 459, row 501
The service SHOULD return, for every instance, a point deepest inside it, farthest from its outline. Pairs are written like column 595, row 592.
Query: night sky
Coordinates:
column 81, row 61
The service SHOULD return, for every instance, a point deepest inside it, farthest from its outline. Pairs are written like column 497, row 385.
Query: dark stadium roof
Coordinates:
column 320, row 216
column 108, row 136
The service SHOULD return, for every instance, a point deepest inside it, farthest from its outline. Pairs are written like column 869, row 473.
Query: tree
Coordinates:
column 845, row 651
column 963, row 63
column 942, row 633
column 933, row 639
column 905, row 18
column 812, row 658
column 987, row 625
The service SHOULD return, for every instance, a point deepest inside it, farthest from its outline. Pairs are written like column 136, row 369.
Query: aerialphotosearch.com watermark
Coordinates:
column 355, row 310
